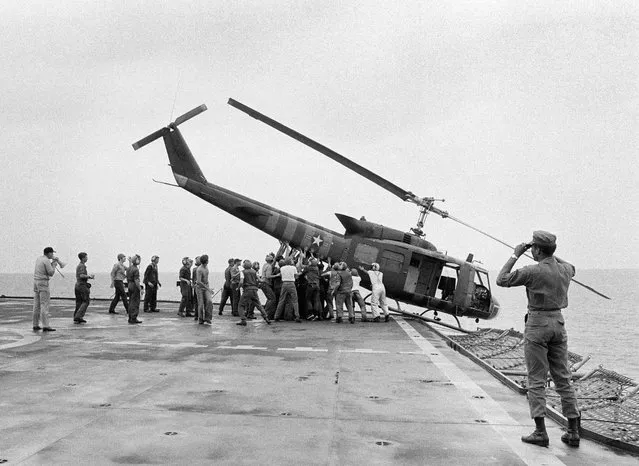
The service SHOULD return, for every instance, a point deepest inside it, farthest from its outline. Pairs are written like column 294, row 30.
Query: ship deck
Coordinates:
column 170, row 391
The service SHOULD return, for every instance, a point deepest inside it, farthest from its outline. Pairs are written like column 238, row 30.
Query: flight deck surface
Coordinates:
column 170, row 391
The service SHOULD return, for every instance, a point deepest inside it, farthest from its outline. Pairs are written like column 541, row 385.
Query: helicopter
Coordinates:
column 415, row 272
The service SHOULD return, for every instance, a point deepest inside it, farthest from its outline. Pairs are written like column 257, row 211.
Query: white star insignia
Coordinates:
column 317, row 240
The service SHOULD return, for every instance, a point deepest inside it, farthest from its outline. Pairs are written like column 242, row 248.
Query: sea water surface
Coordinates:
column 604, row 329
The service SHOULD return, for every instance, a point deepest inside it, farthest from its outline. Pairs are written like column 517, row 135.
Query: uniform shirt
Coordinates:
column 346, row 281
column 334, row 280
column 250, row 279
column 151, row 275
column 376, row 277
column 546, row 283
column 43, row 268
column 81, row 273
column 288, row 273
column 267, row 271
column 227, row 276
column 236, row 276
column 133, row 275
column 118, row 272
column 185, row 273
column 312, row 274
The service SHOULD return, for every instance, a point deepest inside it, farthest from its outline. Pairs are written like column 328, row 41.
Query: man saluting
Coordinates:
column 545, row 337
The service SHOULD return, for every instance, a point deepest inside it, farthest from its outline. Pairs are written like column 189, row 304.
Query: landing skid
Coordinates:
column 399, row 310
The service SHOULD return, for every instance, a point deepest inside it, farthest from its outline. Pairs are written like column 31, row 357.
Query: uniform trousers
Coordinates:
column 313, row 302
column 151, row 297
column 344, row 297
column 378, row 298
column 204, row 305
column 82, row 300
column 271, row 302
column 185, row 302
column 235, row 299
column 250, row 297
column 41, row 299
column 287, row 293
column 134, row 302
column 546, row 349
column 227, row 293
column 357, row 298
column 120, row 293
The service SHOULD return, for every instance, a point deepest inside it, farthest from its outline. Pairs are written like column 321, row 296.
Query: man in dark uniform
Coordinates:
column 343, row 294
column 312, row 295
column 545, row 337
column 184, row 280
column 194, row 305
column 235, row 287
column 135, row 288
column 249, row 295
column 226, row 289
column 82, row 289
column 151, row 284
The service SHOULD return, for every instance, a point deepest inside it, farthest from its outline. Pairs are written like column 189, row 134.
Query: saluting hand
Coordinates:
column 520, row 249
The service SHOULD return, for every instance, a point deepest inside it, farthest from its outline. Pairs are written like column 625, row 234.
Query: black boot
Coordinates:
column 571, row 437
column 539, row 435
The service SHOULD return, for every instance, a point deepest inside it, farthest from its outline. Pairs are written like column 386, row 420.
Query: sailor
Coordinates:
column 266, row 285
column 332, row 275
column 378, row 297
column 236, row 275
column 118, row 274
column 356, row 295
column 151, row 283
column 249, row 294
column 184, row 281
column 545, row 337
column 288, row 293
column 313, row 302
column 203, row 292
column 226, row 289
column 82, row 289
column 135, row 288
column 44, row 270
column 343, row 294
column 194, row 305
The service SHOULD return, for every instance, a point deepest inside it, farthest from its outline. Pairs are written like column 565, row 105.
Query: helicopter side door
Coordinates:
column 391, row 261
column 423, row 275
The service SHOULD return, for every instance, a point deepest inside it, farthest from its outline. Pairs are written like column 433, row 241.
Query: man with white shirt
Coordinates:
column 288, row 272
column 44, row 270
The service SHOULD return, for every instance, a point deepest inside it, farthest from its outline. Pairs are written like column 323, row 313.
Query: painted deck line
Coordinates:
column 487, row 408
column 304, row 348
column 243, row 347
column 364, row 351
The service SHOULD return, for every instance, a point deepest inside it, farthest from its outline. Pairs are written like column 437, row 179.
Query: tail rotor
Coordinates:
column 161, row 132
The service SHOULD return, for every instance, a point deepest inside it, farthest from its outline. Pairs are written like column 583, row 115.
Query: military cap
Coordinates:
column 543, row 238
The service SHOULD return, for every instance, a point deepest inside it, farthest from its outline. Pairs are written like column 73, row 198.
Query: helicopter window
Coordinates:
column 365, row 253
column 481, row 278
column 392, row 261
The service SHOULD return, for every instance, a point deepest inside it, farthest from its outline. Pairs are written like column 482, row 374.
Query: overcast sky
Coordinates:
column 522, row 115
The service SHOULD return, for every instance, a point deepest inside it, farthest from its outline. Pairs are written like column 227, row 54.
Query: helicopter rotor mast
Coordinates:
column 425, row 203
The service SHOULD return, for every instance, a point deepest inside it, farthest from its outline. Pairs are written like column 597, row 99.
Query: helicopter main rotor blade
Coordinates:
column 525, row 254
column 369, row 175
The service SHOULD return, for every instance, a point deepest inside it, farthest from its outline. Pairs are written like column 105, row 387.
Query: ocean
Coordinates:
column 604, row 329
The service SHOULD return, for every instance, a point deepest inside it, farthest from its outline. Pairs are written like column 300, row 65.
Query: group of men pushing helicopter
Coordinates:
column 296, row 287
